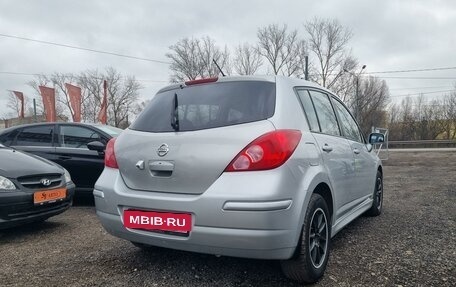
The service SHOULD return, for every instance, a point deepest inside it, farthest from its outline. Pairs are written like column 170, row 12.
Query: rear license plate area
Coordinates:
column 161, row 222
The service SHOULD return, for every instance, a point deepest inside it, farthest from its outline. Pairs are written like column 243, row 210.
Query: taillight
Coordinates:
column 201, row 81
column 110, row 156
column 269, row 151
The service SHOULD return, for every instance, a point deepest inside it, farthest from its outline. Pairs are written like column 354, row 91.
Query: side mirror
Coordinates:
column 97, row 146
column 375, row 138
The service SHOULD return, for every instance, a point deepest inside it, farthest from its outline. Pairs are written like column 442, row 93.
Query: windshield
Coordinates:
column 208, row 106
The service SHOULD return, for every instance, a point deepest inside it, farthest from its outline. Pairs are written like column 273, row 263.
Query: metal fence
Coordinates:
column 423, row 144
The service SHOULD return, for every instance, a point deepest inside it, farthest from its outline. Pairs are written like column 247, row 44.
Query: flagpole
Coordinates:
column 34, row 110
column 105, row 86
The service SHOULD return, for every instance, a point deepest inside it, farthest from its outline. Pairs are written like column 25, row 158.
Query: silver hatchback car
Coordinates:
column 258, row 167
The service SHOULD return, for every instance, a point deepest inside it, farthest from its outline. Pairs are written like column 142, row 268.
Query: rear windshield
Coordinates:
column 208, row 106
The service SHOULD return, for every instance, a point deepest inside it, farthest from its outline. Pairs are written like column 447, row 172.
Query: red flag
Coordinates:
column 20, row 96
column 48, row 95
column 75, row 101
column 103, row 114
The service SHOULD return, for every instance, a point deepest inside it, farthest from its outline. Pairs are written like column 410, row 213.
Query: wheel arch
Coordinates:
column 380, row 169
column 324, row 190
column 319, row 184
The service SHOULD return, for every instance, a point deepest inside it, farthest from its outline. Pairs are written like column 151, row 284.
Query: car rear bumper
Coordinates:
column 252, row 220
column 17, row 208
column 219, row 241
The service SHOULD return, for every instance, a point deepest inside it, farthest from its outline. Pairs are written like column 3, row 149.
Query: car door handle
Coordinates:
column 356, row 151
column 327, row 148
column 64, row 157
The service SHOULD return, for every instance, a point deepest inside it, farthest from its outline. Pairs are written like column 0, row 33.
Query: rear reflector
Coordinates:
column 110, row 157
column 201, row 81
column 268, row 151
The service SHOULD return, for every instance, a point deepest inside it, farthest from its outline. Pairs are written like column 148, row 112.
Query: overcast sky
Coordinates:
column 388, row 35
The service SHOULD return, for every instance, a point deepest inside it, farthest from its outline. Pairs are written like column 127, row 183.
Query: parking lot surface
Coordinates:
column 413, row 243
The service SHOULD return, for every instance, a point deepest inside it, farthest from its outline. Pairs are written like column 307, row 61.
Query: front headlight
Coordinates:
column 67, row 176
column 6, row 184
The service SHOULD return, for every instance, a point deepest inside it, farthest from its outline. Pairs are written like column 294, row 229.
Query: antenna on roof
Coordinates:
column 218, row 67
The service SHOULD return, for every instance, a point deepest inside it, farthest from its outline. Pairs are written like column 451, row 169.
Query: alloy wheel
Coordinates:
column 318, row 238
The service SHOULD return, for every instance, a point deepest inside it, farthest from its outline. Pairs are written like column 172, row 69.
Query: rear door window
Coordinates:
column 77, row 137
column 325, row 113
column 36, row 136
column 347, row 123
column 209, row 106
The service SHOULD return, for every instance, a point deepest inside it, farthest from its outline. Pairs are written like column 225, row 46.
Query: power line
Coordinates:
column 32, row 74
column 413, row 70
column 84, row 49
column 419, row 78
column 164, row 62
column 18, row 73
column 425, row 93
column 417, row 88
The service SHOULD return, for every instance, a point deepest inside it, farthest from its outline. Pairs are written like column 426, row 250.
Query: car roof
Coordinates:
column 266, row 78
column 93, row 125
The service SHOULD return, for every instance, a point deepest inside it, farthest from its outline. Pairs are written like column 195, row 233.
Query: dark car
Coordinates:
column 31, row 188
column 78, row 147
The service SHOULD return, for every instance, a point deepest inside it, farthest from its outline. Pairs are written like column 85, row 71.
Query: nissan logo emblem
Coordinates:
column 163, row 150
column 45, row 182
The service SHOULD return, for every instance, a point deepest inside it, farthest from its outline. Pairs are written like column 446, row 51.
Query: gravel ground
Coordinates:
column 411, row 244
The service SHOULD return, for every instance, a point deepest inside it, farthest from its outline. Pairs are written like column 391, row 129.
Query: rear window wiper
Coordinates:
column 175, row 114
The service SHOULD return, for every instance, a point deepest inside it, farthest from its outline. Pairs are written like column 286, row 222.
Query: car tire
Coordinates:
column 377, row 203
column 309, row 261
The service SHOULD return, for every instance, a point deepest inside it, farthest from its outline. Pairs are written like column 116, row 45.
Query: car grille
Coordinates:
column 28, row 210
column 36, row 181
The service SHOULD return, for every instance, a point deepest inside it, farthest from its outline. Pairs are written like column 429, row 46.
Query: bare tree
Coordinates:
column 449, row 115
column 123, row 92
column 328, row 40
column 247, row 60
column 393, row 114
column 432, row 121
column 14, row 104
column 207, row 53
column 283, row 49
column 418, row 119
column 91, row 83
column 122, row 95
column 193, row 58
column 408, row 119
column 343, row 83
column 184, row 60
column 373, row 99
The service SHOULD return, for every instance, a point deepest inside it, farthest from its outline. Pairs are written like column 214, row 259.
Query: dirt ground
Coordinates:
column 413, row 243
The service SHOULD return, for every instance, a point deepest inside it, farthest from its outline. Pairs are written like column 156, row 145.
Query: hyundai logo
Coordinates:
column 163, row 150
column 45, row 182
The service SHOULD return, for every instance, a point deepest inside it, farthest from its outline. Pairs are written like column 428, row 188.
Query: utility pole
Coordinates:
column 357, row 98
column 357, row 107
column 306, row 71
column 34, row 111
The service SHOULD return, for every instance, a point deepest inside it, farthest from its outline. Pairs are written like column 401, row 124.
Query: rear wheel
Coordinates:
column 311, row 256
column 377, row 203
